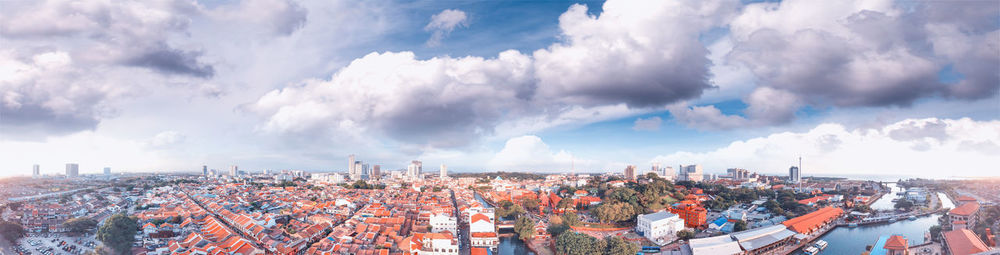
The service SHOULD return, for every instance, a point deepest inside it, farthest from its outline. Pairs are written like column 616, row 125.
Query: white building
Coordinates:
column 690, row 173
column 415, row 169
column 481, row 222
column 107, row 171
column 658, row 225
column 327, row 178
column 35, row 171
column 72, row 170
column 443, row 222
column 234, row 170
column 444, row 171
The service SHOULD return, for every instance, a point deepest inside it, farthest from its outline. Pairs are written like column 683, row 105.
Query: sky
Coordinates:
column 879, row 87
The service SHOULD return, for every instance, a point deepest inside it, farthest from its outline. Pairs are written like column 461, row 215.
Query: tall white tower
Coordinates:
column 350, row 165
column 444, row 171
column 35, row 171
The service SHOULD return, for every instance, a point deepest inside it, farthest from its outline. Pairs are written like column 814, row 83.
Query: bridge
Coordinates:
column 506, row 224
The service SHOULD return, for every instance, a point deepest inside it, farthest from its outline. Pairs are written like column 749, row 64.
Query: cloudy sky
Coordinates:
column 853, row 87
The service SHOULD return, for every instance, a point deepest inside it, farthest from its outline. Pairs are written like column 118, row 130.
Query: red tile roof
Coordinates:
column 812, row 221
column 965, row 209
column 895, row 243
column 963, row 241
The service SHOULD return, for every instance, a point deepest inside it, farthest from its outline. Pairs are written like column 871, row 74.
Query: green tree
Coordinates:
column 570, row 219
column 80, row 225
column 615, row 212
column 573, row 243
column 557, row 229
column 740, row 226
column 619, row 246
column 11, row 231
column 530, row 204
column 685, row 234
column 565, row 203
column 118, row 232
column 524, row 227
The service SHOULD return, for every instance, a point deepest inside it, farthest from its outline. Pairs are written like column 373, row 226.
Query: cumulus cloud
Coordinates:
column 864, row 53
column 530, row 153
column 623, row 61
column 165, row 139
column 439, row 102
column 443, row 23
column 642, row 54
column 281, row 17
column 967, row 147
column 647, row 124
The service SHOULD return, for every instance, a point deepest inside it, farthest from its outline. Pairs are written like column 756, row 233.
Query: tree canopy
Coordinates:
column 81, row 225
column 573, row 243
column 118, row 232
column 524, row 227
column 11, row 231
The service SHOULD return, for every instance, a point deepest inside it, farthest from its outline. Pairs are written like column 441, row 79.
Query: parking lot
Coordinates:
column 50, row 244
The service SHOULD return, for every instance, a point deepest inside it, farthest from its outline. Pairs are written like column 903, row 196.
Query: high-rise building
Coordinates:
column 415, row 169
column 690, row 173
column 444, row 171
column 107, row 171
column 204, row 170
column 795, row 173
column 738, row 173
column 234, row 170
column 669, row 173
column 376, row 172
column 35, row 171
column 630, row 172
column 656, row 169
column 72, row 170
column 365, row 172
column 350, row 165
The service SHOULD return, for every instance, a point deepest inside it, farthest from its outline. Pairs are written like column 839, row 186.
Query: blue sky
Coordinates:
column 500, row 85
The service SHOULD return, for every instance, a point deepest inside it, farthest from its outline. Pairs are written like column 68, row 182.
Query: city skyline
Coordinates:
column 852, row 87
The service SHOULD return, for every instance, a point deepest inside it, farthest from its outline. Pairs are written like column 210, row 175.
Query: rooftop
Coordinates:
column 963, row 241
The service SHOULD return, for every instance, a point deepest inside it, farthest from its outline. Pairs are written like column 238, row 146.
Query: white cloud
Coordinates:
column 530, row 153
column 648, row 124
column 443, row 23
column 89, row 149
column 165, row 139
column 968, row 148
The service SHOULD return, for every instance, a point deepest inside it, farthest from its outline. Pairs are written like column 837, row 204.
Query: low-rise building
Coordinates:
column 964, row 242
column 658, row 225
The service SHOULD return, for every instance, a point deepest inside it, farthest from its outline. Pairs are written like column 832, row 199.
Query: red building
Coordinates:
column 691, row 212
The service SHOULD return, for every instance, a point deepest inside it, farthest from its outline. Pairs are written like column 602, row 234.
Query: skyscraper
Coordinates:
column 444, row 171
column 414, row 169
column 656, row 169
column 72, row 170
column 376, row 172
column 365, row 172
column 35, row 171
column 107, row 171
column 795, row 173
column 204, row 170
column 234, row 170
column 350, row 165
column 690, row 173
column 630, row 172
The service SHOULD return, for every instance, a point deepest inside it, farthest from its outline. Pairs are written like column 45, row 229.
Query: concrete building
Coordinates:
column 444, row 171
column 107, row 171
column 690, row 173
column 794, row 174
column 36, row 171
column 658, row 225
column 72, row 170
column 964, row 216
column 234, row 170
column 415, row 169
column 630, row 172
column 964, row 242
column 376, row 172
column 738, row 173
column 443, row 222
column 204, row 170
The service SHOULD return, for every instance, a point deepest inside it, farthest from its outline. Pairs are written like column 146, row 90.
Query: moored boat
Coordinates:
column 820, row 244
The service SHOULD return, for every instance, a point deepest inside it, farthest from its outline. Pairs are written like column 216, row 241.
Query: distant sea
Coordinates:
column 893, row 178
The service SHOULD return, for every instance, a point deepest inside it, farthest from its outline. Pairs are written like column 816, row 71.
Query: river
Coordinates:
column 846, row 240
column 509, row 245
column 885, row 203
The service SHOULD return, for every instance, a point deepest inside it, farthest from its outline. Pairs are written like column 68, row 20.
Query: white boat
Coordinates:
column 913, row 217
column 852, row 224
column 820, row 244
column 810, row 250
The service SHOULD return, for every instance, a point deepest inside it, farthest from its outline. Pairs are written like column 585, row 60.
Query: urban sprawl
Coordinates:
column 370, row 210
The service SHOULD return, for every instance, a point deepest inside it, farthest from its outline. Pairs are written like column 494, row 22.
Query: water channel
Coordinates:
column 509, row 245
column 847, row 240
